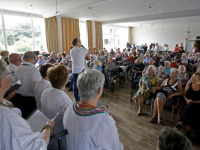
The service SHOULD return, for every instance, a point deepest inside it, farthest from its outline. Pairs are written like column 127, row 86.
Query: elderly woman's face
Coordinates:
column 51, row 56
column 59, row 56
column 91, row 58
column 40, row 58
column 166, row 65
column 150, row 70
column 161, row 69
column 172, row 75
column 96, row 63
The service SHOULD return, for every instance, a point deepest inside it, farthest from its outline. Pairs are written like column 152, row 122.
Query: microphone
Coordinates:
column 83, row 46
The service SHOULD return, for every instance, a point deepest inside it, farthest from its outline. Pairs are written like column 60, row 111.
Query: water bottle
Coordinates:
column 106, row 111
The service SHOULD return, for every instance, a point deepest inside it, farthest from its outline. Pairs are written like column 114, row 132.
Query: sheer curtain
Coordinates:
column 99, row 35
column 89, row 33
column 52, row 34
column 130, row 29
column 70, row 30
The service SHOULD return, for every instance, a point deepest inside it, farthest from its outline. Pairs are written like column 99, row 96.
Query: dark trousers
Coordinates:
column 71, row 83
column 26, row 104
column 75, row 77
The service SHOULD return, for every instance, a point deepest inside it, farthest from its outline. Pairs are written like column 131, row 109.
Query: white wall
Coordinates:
column 165, row 34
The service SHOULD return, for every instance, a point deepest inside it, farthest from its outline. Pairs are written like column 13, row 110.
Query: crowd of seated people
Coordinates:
column 43, row 89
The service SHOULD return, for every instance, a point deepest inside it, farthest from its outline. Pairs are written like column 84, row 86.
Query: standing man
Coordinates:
column 77, row 54
column 145, row 48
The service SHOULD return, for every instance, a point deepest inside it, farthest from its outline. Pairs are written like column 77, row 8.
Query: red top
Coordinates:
column 176, row 49
column 131, row 59
column 173, row 64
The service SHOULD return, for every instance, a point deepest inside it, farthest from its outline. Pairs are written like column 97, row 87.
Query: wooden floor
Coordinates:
column 135, row 132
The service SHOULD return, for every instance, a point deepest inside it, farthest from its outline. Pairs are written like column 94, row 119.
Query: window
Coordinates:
column 114, row 37
column 83, row 38
column 23, row 32
column 2, row 47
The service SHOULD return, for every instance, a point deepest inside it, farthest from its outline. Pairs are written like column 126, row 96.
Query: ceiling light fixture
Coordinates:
column 90, row 8
column 163, row 23
column 56, row 8
column 160, row 10
column 31, row 5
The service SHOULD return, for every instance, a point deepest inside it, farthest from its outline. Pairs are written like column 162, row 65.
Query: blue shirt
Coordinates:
column 101, row 59
column 167, row 71
column 40, row 63
column 98, row 68
column 147, row 60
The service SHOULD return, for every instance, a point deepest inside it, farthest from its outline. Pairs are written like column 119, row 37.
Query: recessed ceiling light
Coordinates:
column 160, row 10
column 31, row 5
column 90, row 8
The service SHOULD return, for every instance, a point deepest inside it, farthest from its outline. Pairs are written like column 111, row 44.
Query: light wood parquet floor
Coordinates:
column 135, row 132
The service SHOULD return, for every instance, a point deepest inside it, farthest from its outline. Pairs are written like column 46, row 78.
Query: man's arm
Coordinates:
column 92, row 50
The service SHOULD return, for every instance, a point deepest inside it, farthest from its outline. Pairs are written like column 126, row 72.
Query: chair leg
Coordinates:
column 177, row 115
column 60, row 144
column 172, row 113
column 152, row 102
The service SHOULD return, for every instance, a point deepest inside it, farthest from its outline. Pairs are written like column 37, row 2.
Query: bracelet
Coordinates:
column 48, row 126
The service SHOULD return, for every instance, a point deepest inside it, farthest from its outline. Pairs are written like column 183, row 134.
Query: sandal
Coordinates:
column 153, row 120
column 160, row 120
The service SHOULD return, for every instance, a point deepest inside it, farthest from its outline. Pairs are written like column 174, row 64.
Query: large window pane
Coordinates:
column 108, row 41
column 19, row 41
column 108, row 30
column 2, row 47
column 38, row 24
column 82, row 27
column 17, row 22
column 40, row 42
column 0, row 21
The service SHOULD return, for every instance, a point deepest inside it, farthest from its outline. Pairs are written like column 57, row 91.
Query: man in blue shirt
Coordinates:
column 147, row 59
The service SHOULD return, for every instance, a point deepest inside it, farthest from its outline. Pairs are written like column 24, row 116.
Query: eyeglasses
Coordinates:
column 10, row 73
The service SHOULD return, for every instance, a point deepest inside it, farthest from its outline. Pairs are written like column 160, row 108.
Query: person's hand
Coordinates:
column 189, row 101
column 103, row 107
column 51, row 123
column 170, row 96
column 11, row 95
column 133, row 71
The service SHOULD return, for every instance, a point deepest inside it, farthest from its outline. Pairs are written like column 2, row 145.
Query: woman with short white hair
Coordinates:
column 90, row 127
column 40, row 61
column 146, row 86
column 169, row 88
column 16, row 132
column 184, row 77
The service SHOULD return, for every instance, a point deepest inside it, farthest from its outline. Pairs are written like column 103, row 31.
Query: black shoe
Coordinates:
column 70, row 89
column 139, row 114
column 131, row 100
column 177, row 126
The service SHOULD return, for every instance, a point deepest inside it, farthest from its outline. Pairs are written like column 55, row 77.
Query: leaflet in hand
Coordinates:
column 14, row 87
column 37, row 121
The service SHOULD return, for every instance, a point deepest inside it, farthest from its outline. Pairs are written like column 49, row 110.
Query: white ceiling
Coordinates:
column 107, row 11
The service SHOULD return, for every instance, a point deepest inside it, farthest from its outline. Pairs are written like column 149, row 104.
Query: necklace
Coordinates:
column 8, row 107
column 89, row 106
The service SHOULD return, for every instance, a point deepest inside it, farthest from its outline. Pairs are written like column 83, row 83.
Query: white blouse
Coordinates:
column 39, row 89
column 55, row 101
column 96, row 132
column 16, row 133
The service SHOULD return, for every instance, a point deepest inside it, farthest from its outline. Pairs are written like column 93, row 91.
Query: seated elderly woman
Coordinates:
column 191, row 110
column 146, row 86
column 110, row 65
column 130, row 57
column 197, row 65
column 59, row 58
column 172, row 139
column 40, row 61
column 167, row 67
column 97, row 66
column 90, row 63
column 138, row 68
column 51, row 59
column 161, row 76
column 184, row 60
column 16, row 132
column 163, row 58
column 54, row 100
column 192, row 63
column 169, row 88
column 90, row 127
column 65, row 60
column 118, row 58
column 156, row 58
column 184, row 77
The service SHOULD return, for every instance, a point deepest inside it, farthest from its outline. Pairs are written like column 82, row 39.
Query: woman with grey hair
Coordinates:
column 184, row 77
column 169, row 88
column 172, row 139
column 16, row 133
column 146, row 86
column 161, row 76
column 87, row 125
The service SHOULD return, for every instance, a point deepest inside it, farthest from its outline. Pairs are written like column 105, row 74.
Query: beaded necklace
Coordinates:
column 86, row 112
